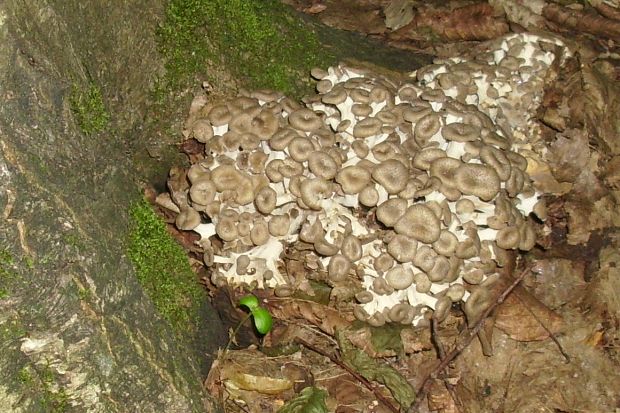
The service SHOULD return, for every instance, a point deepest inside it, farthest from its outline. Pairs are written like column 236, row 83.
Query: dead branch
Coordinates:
column 469, row 336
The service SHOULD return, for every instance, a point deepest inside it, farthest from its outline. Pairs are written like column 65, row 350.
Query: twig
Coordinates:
column 352, row 372
column 421, row 394
column 551, row 335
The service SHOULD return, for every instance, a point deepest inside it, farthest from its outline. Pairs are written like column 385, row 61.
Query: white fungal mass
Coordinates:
column 409, row 192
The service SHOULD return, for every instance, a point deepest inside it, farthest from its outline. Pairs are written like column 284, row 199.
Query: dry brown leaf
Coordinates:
column 477, row 21
column 522, row 317
column 325, row 318
column 569, row 155
column 439, row 398
column 581, row 21
column 584, row 217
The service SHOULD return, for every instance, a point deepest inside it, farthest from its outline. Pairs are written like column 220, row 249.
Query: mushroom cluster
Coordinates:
column 408, row 194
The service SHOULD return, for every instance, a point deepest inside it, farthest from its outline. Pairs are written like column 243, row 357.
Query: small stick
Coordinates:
column 463, row 345
column 352, row 372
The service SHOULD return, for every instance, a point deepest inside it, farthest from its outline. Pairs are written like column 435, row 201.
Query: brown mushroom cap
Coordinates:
column 322, row 165
column 455, row 292
column 351, row 248
column 399, row 277
column 225, row 177
column 369, row 196
column 280, row 140
column 423, row 159
column 202, row 191
column 460, row 132
column 305, row 119
column 422, row 283
column 367, row 127
column 402, row 248
column 226, row 229
column 419, row 222
column 313, row 191
column 219, row 115
column 300, row 149
column 390, row 211
column 497, row 160
column 265, row 124
column 259, row 234
column 188, row 219
column 425, row 258
column 335, row 96
column 265, row 200
column 311, row 232
column 353, row 179
column 392, row 175
column 202, row 130
column 325, row 248
column 478, row 180
column 361, row 109
column 440, row 269
column 338, row 268
column 381, row 287
column 446, row 243
column 442, row 308
column 383, row 262
column 279, row 225
column 426, row 127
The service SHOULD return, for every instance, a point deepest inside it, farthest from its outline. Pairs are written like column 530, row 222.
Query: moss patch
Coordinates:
column 261, row 41
column 88, row 109
column 163, row 269
column 7, row 274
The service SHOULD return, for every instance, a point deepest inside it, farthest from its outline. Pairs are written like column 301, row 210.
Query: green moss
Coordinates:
column 88, row 109
column 261, row 41
column 163, row 269
column 7, row 273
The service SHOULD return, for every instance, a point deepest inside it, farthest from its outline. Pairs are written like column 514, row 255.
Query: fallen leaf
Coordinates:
column 521, row 316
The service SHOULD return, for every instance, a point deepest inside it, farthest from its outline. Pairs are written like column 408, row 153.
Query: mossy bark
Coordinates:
column 77, row 331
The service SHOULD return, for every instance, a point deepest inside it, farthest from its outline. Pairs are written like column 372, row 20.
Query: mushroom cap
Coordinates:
column 369, row 196
column 351, row 248
column 390, row 211
column 225, row 177
column 497, row 160
column 280, row 139
column 423, row 159
column 219, row 115
column 381, row 287
column 399, row 277
column 360, row 148
column 392, row 175
column 383, row 262
column 478, row 180
column 367, row 127
column 313, row 191
column 402, row 248
column 265, row 124
column 446, row 243
column 259, row 234
column 338, row 267
column 279, row 225
column 311, row 231
column 442, row 308
column 426, row 127
column 353, row 179
column 203, row 191
column 460, row 132
column 202, row 130
column 419, row 222
column 305, row 119
column 226, row 229
column 322, row 165
column 300, row 148
column 187, row 219
column 265, row 200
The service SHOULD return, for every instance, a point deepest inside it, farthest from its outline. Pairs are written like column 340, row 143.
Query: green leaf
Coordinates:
column 262, row 320
column 250, row 301
column 371, row 369
column 309, row 400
